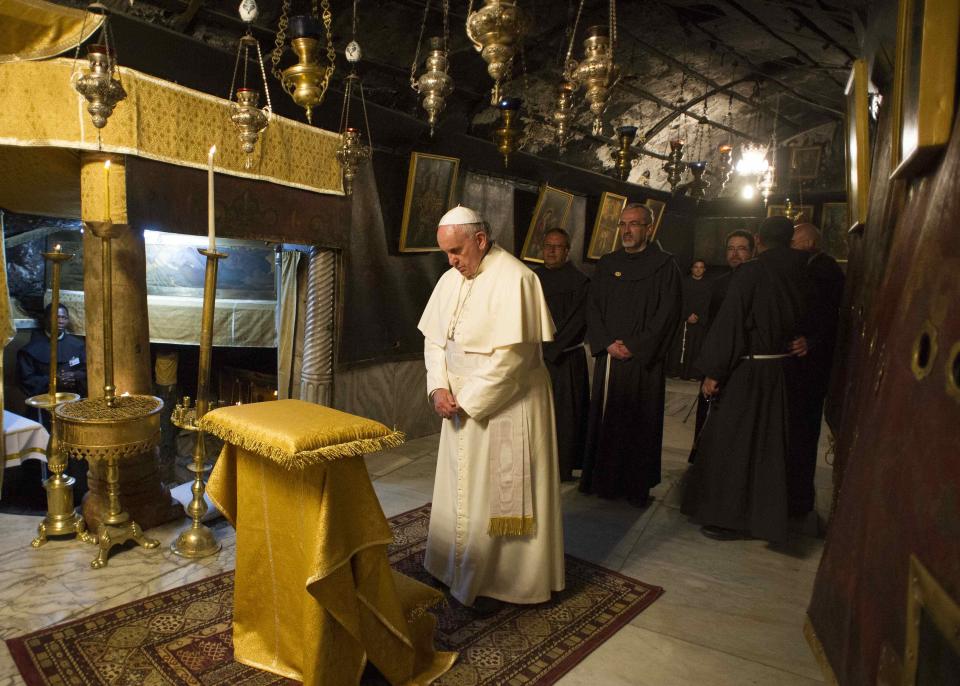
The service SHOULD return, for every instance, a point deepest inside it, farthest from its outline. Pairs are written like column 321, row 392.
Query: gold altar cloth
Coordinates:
column 162, row 121
column 33, row 29
column 315, row 597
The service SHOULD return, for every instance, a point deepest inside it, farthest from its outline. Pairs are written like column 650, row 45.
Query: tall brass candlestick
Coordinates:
column 62, row 518
column 198, row 540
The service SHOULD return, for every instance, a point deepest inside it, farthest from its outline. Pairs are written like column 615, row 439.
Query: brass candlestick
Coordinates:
column 625, row 156
column 111, row 428
column 62, row 517
column 198, row 540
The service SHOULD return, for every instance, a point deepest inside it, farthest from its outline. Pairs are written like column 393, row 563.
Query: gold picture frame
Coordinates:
column 657, row 207
column 924, row 82
column 805, row 162
column 431, row 183
column 931, row 615
column 801, row 213
column 858, row 145
column 553, row 205
column 606, row 227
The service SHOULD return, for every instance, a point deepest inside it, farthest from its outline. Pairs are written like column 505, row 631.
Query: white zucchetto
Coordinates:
column 460, row 215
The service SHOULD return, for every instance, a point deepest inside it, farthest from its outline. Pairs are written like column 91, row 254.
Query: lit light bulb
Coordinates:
column 748, row 192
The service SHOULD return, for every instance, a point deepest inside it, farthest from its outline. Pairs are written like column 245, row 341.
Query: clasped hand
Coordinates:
column 445, row 404
column 619, row 351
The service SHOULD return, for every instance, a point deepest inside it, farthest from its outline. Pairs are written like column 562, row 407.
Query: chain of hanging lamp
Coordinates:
column 352, row 152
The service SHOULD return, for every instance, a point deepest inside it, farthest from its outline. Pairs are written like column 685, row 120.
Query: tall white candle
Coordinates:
column 211, row 230
column 106, row 182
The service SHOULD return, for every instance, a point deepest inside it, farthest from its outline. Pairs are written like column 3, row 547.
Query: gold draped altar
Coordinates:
column 315, row 597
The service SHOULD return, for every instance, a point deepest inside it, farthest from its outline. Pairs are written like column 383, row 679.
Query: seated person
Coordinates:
column 33, row 359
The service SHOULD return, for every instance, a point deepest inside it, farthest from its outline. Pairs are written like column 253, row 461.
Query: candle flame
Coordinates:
column 213, row 149
column 106, row 165
column 57, row 248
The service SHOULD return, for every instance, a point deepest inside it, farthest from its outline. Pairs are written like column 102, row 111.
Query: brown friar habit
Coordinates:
column 565, row 289
column 689, row 337
column 808, row 377
column 634, row 297
column 739, row 478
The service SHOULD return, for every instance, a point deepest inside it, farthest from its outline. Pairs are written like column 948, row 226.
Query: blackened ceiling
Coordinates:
column 711, row 71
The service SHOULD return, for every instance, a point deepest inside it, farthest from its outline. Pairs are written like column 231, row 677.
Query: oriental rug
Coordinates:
column 184, row 636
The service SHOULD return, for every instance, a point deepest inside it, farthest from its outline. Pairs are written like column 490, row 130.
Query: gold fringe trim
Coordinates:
column 512, row 526
column 422, row 608
column 304, row 458
column 817, row 649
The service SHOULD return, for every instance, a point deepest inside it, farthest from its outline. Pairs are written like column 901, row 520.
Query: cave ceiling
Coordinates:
column 710, row 71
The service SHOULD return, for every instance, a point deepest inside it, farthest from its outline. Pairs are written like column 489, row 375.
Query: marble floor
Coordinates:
column 732, row 612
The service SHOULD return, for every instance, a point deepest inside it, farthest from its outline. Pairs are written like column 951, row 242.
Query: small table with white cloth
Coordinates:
column 22, row 439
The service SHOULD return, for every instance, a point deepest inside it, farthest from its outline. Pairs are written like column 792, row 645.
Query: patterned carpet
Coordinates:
column 183, row 636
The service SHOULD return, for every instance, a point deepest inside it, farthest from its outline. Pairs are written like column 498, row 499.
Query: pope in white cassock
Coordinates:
column 495, row 528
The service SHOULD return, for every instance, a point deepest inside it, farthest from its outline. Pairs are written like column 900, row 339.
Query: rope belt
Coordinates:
column 778, row 356
column 573, row 347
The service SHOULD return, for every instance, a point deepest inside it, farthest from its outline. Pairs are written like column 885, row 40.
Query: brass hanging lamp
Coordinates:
column 307, row 80
column 245, row 111
column 99, row 82
column 495, row 31
column 435, row 83
column 675, row 165
column 625, row 156
column 506, row 136
column 352, row 152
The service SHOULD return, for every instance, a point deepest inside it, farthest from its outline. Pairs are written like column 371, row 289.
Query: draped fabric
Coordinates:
column 161, row 121
column 288, row 298
column 36, row 30
column 493, row 199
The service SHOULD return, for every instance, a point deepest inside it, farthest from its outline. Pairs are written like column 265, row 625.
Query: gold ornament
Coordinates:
column 563, row 115
column 99, row 82
column 306, row 81
column 674, row 166
column 351, row 154
column 725, row 165
column 245, row 112
column 697, row 187
column 434, row 84
column 596, row 72
column 495, row 29
column 506, row 136
column 625, row 156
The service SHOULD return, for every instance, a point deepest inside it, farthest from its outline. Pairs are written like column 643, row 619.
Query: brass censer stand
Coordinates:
column 62, row 517
column 111, row 428
column 198, row 540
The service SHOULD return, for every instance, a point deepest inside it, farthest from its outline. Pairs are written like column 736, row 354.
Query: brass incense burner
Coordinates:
column 495, row 30
column 307, row 80
column 351, row 153
column 198, row 540
column 563, row 115
column 62, row 517
column 245, row 111
column 112, row 427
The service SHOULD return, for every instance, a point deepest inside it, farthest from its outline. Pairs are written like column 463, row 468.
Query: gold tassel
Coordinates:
column 512, row 526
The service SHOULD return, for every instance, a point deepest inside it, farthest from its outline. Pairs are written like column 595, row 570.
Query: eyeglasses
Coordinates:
column 555, row 246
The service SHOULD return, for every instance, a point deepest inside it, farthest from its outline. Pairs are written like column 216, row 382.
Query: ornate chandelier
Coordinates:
column 495, row 30
column 597, row 72
column 753, row 160
column 99, row 82
column 306, row 81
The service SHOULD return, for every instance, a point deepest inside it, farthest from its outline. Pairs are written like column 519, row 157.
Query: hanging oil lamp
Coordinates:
column 675, row 166
column 434, row 84
column 506, row 136
column 306, row 81
column 563, row 114
column 697, row 186
column 99, row 82
column 597, row 72
column 495, row 30
column 352, row 151
column 245, row 111
column 724, row 163
column 625, row 156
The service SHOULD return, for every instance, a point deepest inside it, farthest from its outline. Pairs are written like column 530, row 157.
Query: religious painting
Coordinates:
column 932, row 650
column 657, row 207
column 606, row 227
column 924, row 82
column 858, row 145
column 833, row 230
column 801, row 213
column 553, row 205
column 804, row 162
column 430, row 187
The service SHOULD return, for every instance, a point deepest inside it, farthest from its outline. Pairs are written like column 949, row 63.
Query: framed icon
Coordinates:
column 553, row 205
column 430, row 187
column 858, row 145
column 805, row 162
column 657, row 207
column 606, row 229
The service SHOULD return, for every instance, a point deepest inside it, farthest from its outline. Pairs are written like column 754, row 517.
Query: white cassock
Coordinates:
column 497, row 465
